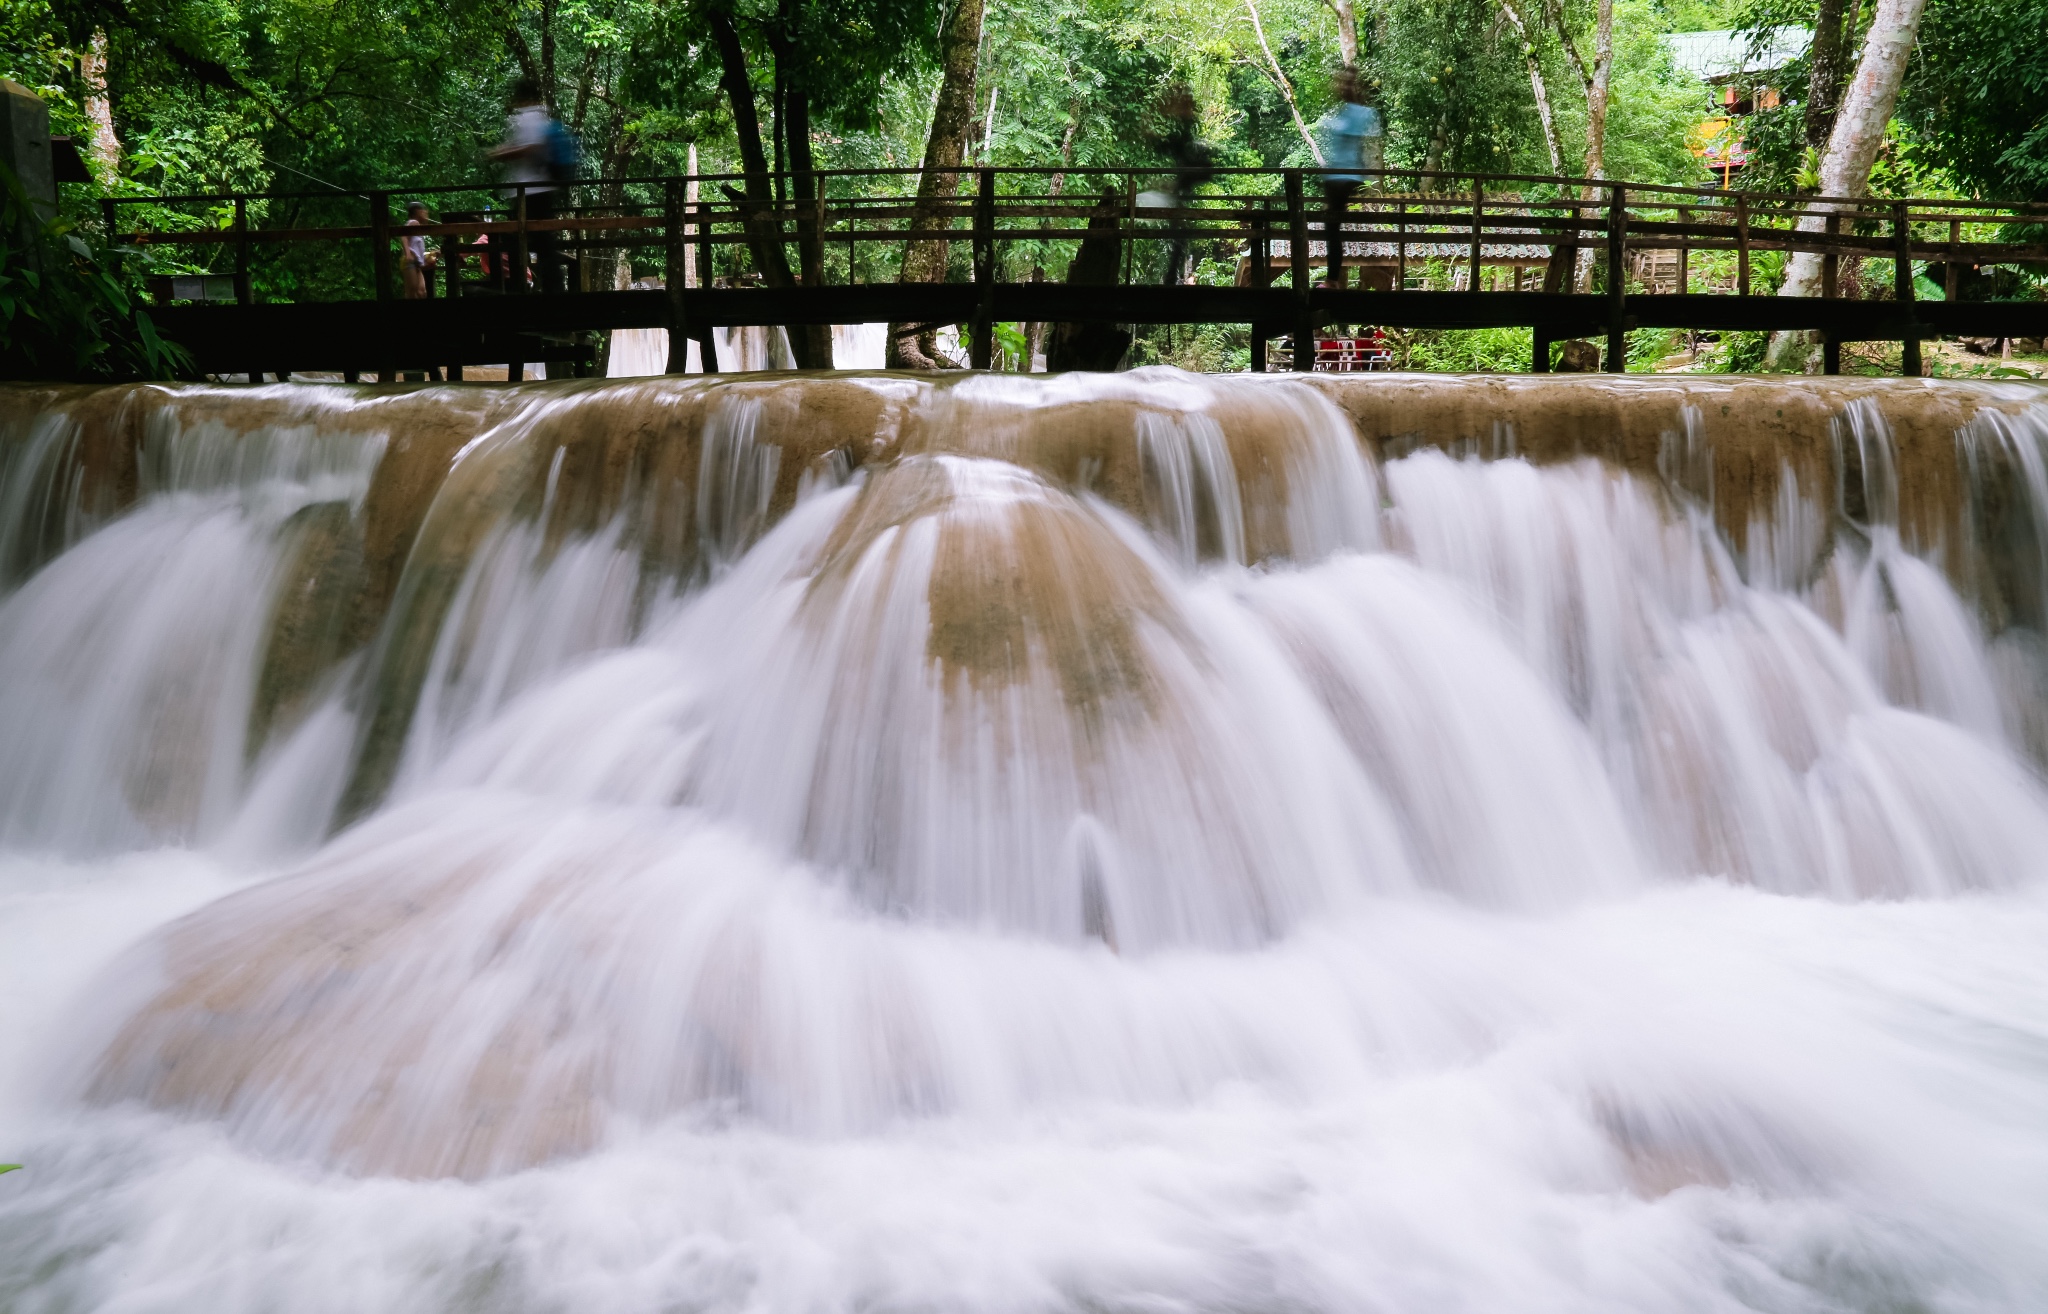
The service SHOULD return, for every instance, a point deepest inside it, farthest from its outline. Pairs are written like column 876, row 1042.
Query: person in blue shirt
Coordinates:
column 539, row 157
column 1353, row 142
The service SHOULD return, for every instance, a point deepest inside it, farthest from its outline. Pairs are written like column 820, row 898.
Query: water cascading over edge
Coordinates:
column 829, row 751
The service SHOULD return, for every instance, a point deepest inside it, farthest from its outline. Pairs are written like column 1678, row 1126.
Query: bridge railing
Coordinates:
column 1310, row 233
column 1422, row 224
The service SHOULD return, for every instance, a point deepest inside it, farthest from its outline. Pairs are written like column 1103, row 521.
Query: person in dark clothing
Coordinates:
column 1194, row 164
column 538, row 155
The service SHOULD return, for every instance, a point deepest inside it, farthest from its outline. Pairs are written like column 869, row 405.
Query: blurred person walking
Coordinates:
column 541, row 157
column 1354, row 143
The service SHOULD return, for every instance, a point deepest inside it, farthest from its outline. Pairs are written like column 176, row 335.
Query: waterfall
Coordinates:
column 1024, row 843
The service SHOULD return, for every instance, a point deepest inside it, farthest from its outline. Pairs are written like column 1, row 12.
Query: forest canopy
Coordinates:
column 344, row 97
column 210, row 95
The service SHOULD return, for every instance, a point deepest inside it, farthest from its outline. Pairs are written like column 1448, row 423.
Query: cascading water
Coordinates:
column 1127, row 843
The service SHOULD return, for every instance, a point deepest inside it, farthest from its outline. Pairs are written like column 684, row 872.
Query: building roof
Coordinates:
column 1419, row 248
column 1725, row 56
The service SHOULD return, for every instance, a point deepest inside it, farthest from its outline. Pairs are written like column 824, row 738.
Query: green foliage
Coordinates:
column 1737, row 353
column 1465, row 351
column 333, row 98
column 1977, row 96
column 1646, row 347
column 1200, row 348
column 10, row 1167
column 62, row 315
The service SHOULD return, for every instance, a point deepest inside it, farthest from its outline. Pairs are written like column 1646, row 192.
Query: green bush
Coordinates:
column 1466, row 351
column 63, row 316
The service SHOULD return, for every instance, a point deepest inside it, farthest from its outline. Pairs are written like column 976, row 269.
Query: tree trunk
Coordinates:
column 1347, row 32
column 1536, row 84
column 1598, row 79
column 1034, row 332
column 1852, row 145
column 547, row 53
column 1279, row 77
column 764, row 236
column 692, row 276
column 1833, row 25
column 1597, row 94
column 586, row 84
column 924, row 261
column 810, row 239
column 99, row 109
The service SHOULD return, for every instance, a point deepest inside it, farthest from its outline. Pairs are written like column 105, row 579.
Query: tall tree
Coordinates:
column 1598, row 81
column 1537, row 86
column 1347, row 32
column 1834, row 30
column 924, row 260
column 1597, row 78
column 810, row 343
column 99, row 108
column 1279, row 77
column 1859, row 130
column 764, row 237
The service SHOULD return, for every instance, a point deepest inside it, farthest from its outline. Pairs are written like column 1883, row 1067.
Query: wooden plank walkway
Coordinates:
column 1463, row 231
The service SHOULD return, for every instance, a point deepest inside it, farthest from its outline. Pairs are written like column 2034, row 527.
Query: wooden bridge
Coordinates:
column 1056, row 246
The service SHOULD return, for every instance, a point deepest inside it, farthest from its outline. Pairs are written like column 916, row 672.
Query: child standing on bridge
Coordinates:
column 414, row 260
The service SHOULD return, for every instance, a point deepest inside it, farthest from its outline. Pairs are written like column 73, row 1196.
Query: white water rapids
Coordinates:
column 1279, row 881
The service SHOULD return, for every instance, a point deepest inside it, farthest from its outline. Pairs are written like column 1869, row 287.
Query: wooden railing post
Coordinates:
column 1262, row 277
column 1831, row 263
column 1401, row 246
column 380, row 244
column 521, row 272
column 1478, row 226
column 1952, row 280
column 109, row 215
column 1684, row 253
column 243, row 295
column 707, row 341
column 1297, row 259
column 1130, row 225
column 1741, row 244
column 675, row 277
column 1336, row 207
column 1902, row 284
column 982, row 346
column 1830, row 290
column 1617, row 280
column 380, row 266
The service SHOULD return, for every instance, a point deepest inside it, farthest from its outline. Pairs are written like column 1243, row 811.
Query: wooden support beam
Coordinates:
column 707, row 342
column 1297, row 249
column 1741, row 244
column 982, row 340
column 675, row 278
column 1262, row 278
column 1617, row 279
column 1478, row 229
column 1910, row 363
column 1955, row 260
column 1401, row 246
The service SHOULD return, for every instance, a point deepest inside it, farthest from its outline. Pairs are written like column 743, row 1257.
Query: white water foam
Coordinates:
column 1534, row 916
